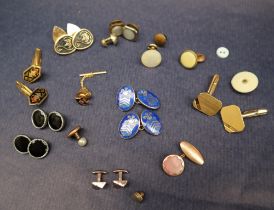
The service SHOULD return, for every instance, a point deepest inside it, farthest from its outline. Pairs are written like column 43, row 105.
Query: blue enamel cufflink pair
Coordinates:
column 132, row 123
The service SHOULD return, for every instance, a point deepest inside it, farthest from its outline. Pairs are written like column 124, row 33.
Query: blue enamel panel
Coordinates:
column 148, row 99
column 151, row 122
column 129, row 126
column 125, row 98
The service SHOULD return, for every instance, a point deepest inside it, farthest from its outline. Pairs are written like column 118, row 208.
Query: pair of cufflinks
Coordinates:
column 118, row 28
column 232, row 117
column 75, row 38
column 31, row 75
column 100, row 184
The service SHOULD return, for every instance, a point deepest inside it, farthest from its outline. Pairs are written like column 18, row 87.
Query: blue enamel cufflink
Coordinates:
column 126, row 98
column 131, row 124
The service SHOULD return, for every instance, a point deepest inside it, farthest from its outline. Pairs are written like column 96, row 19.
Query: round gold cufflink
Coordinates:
column 116, row 27
column 130, row 32
column 34, row 71
column 62, row 41
column 189, row 59
column 151, row 58
column 173, row 165
column 81, row 38
column 160, row 39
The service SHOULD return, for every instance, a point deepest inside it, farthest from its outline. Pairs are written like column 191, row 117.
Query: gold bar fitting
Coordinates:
column 23, row 88
column 37, row 57
column 92, row 74
column 254, row 113
column 213, row 84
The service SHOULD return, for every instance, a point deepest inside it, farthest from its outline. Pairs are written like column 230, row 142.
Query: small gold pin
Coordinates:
column 189, row 59
column 233, row 118
column 62, row 41
column 34, row 71
column 205, row 102
column 84, row 94
column 36, row 97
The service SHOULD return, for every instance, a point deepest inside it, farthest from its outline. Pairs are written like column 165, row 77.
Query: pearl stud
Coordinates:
column 82, row 141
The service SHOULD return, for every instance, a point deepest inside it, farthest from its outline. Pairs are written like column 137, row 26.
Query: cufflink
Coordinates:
column 39, row 118
column 189, row 59
column 20, row 143
column 120, row 182
column 116, row 27
column 151, row 58
column 173, row 165
column 56, row 121
column 99, row 184
column 34, row 71
column 38, row 148
column 130, row 32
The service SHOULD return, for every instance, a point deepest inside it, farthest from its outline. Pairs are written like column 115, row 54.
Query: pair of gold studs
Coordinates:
column 84, row 95
column 152, row 58
column 74, row 39
column 119, row 28
column 231, row 115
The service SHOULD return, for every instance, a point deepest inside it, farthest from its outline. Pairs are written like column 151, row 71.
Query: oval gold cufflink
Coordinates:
column 205, row 102
column 82, row 141
column 189, row 59
column 116, row 27
column 151, row 58
column 99, row 184
column 120, row 182
column 130, row 32
column 233, row 118
column 36, row 97
column 173, row 165
column 62, row 41
column 34, row 71
column 81, row 38
column 84, row 94
column 112, row 39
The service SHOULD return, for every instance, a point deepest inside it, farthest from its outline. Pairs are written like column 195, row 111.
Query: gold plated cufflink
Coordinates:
column 62, row 41
column 34, row 71
column 99, row 184
column 120, row 182
column 36, row 97
column 173, row 165
column 84, row 94
column 205, row 102
column 130, row 32
column 233, row 118
column 189, row 59
column 116, row 27
column 81, row 38
column 151, row 58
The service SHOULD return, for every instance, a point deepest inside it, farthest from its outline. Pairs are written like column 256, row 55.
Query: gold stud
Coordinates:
column 82, row 141
column 112, row 39
column 130, row 32
column 205, row 102
column 160, row 39
column 81, row 38
column 173, row 165
column 116, row 27
column 34, row 71
column 36, row 97
column 151, row 58
column 233, row 118
column 99, row 184
column 189, row 59
column 62, row 41
column 138, row 196
column 120, row 182
column 84, row 94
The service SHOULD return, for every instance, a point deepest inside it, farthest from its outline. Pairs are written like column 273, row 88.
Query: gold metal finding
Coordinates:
column 233, row 118
column 84, row 94
column 62, row 41
column 112, row 39
column 205, row 102
column 189, row 59
column 34, row 71
column 138, row 196
column 36, row 97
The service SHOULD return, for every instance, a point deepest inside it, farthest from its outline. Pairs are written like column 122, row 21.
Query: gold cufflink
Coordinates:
column 62, row 41
column 151, row 58
column 34, row 71
column 233, row 118
column 173, row 165
column 130, row 32
column 120, row 182
column 189, row 59
column 81, row 38
column 138, row 196
column 99, row 184
column 205, row 102
column 84, row 94
column 112, row 39
column 116, row 27
column 36, row 97
column 160, row 39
